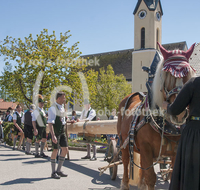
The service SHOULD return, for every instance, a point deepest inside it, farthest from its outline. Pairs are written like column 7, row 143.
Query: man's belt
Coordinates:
column 195, row 118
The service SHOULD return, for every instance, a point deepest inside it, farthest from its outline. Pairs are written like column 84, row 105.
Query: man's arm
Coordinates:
column 54, row 139
column 17, row 126
column 51, row 121
column 34, row 128
column 34, row 119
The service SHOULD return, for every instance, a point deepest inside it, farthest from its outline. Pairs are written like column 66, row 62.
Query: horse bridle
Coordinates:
column 168, row 94
column 175, row 90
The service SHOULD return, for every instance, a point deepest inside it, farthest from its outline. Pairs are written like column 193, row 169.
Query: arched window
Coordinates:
column 157, row 37
column 142, row 38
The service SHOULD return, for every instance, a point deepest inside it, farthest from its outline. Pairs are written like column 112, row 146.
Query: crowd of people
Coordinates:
column 35, row 126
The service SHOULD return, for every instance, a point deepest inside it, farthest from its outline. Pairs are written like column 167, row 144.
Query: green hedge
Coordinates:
column 6, row 131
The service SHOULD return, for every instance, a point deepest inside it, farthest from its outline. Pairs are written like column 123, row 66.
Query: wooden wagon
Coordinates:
column 110, row 127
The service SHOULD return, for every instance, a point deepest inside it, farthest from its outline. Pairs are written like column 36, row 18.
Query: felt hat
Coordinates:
column 177, row 61
column 40, row 100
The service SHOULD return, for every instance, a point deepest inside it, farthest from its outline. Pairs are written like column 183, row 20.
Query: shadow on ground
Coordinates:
column 96, row 179
column 23, row 180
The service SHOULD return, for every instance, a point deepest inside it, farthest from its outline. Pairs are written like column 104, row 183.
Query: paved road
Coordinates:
column 24, row 172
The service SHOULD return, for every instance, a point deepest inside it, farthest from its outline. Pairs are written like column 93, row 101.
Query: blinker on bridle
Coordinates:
column 175, row 90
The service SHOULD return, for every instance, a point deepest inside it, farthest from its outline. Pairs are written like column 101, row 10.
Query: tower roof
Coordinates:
column 151, row 5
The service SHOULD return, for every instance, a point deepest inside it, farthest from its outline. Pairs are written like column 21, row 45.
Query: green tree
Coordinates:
column 24, row 60
column 107, row 90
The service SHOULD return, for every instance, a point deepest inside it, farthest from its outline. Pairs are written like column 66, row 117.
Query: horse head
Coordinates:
column 172, row 73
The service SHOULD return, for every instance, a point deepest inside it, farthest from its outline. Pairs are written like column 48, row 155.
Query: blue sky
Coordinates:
column 99, row 25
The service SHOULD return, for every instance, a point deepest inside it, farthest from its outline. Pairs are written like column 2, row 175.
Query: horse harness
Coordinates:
column 158, row 123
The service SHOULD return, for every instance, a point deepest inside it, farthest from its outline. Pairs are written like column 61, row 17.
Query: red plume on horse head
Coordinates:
column 177, row 61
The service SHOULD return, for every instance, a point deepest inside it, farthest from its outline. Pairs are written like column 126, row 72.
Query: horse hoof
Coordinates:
column 124, row 186
column 142, row 187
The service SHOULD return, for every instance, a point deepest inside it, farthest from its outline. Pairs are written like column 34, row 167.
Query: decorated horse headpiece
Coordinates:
column 177, row 61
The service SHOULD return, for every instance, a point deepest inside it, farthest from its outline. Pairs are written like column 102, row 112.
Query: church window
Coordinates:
column 142, row 38
column 157, row 37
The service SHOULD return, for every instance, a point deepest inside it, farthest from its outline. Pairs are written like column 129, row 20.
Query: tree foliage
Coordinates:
column 24, row 60
column 107, row 91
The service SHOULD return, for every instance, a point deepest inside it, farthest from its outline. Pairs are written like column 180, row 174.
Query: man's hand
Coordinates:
column 54, row 139
column 35, row 132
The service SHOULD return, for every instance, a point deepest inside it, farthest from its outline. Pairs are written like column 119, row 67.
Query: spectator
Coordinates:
column 9, row 117
column 17, row 120
column 110, row 136
column 28, row 128
column 39, row 122
column 74, row 119
column 89, row 114
column 1, row 130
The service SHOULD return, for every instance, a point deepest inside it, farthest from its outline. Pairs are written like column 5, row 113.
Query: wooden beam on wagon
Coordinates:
column 93, row 127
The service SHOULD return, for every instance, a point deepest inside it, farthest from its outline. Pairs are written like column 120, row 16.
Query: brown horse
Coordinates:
column 168, row 78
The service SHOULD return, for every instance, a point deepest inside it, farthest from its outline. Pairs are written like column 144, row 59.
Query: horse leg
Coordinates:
column 141, row 183
column 147, row 161
column 125, row 160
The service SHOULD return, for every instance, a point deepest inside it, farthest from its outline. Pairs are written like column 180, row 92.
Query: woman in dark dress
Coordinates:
column 186, row 172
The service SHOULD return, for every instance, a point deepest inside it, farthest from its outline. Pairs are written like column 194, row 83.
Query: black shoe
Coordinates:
column 37, row 156
column 29, row 153
column 55, row 175
column 23, row 148
column 61, row 174
column 43, row 155
column 86, row 157
column 13, row 148
column 93, row 158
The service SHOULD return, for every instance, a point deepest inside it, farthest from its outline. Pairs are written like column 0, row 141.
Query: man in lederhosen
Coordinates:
column 17, row 120
column 9, row 117
column 28, row 128
column 56, row 122
column 89, row 114
column 39, row 122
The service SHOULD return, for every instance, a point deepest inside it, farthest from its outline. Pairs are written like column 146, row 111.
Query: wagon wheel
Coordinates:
column 112, row 152
column 165, row 169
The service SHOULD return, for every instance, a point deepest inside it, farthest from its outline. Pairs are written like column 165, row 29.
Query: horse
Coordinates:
column 172, row 72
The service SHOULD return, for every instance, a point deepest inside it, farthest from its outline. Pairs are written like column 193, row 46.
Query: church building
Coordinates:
column 147, row 32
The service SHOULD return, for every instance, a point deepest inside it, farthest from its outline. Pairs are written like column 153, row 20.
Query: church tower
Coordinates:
column 147, row 31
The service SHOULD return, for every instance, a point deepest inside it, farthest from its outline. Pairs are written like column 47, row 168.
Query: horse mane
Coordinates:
column 161, row 78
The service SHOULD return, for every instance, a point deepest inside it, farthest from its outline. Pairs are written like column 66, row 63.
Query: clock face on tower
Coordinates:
column 158, row 16
column 142, row 14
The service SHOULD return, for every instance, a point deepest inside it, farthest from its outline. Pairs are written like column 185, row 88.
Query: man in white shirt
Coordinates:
column 8, row 118
column 39, row 122
column 56, row 122
column 89, row 114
